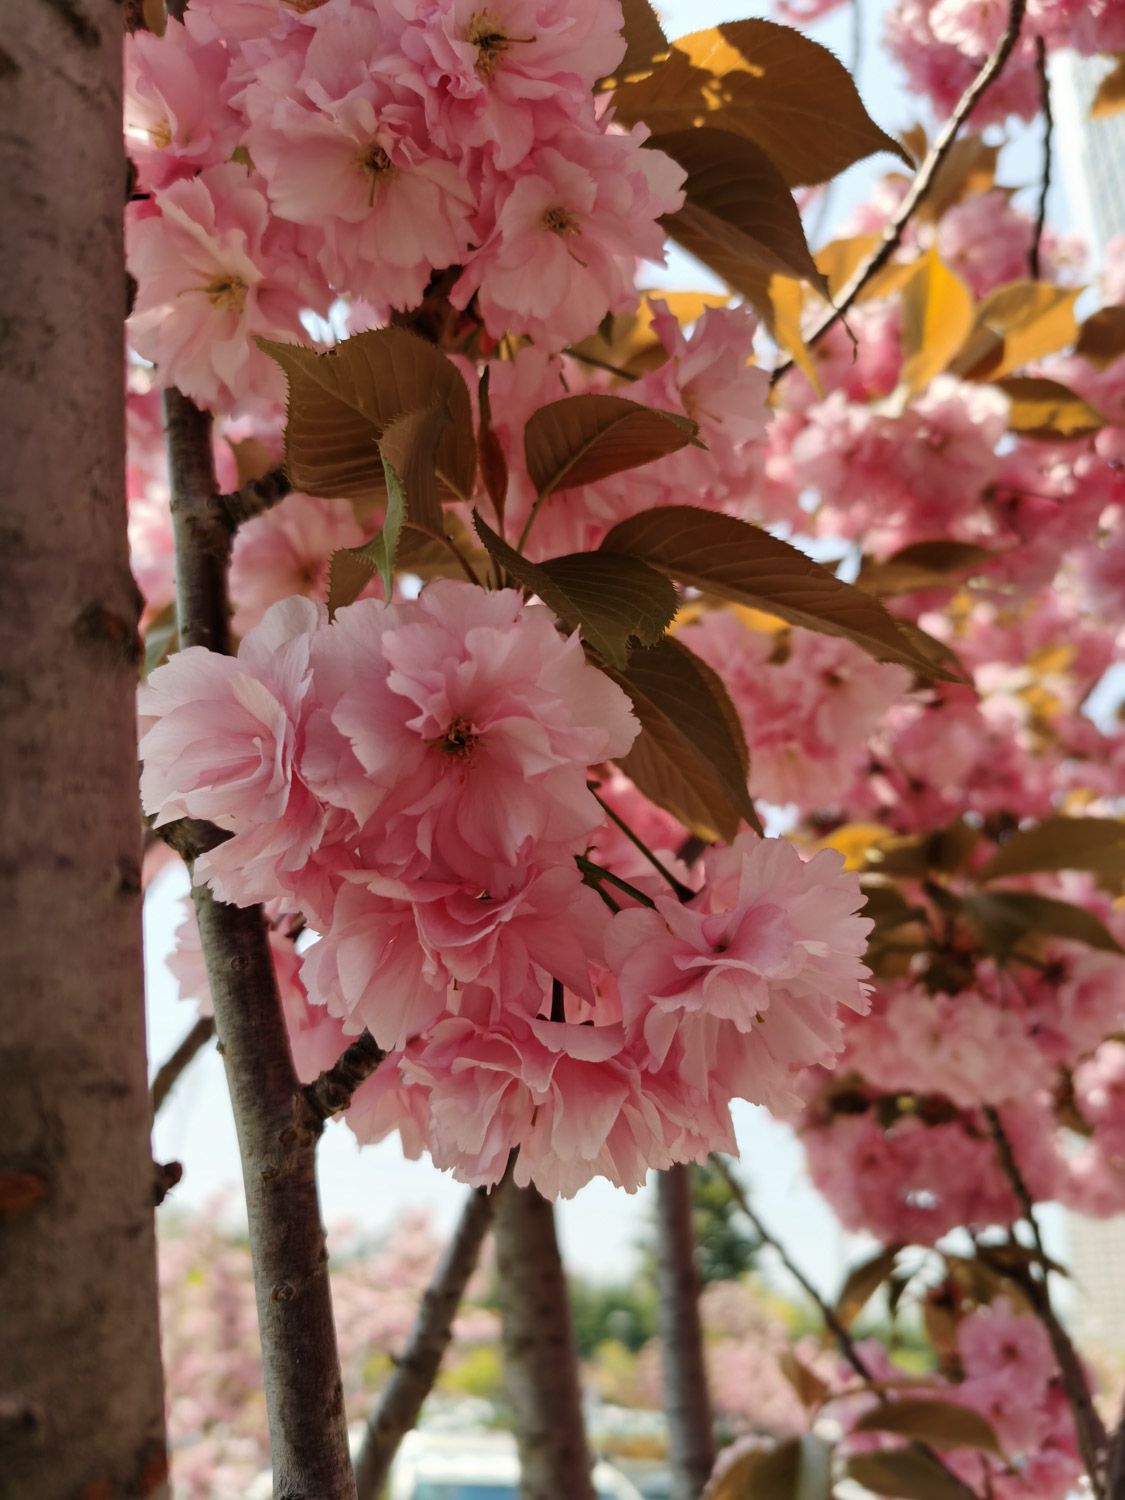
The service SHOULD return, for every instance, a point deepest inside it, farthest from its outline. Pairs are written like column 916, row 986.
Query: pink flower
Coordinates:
column 286, row 552
column 507, row 76
column 212, row 271
column 472, row 722
column 176, row 119
column 567, row 229
column 747, row 977
column 220, row 739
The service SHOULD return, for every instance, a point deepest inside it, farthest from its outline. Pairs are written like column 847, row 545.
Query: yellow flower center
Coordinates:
column 486, row 33
column 161, row 134
column 559, row 221
column 227, row 292
column 378, row 167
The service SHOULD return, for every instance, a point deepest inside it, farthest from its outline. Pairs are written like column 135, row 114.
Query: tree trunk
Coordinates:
column 414, row 1373
column 81, row 1397
column 686, row 1400
column 278, row 1125
column 540, row 1357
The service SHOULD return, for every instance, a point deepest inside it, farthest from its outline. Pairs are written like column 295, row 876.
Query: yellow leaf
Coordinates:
column 1014, row 325
column 1045, row 409
column 766, row 82
column 1110, row 97
column 855, row 841
column 937, row 313
column 787, row 298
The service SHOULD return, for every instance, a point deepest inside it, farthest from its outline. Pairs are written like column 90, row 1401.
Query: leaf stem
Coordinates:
column 595, row 873
column 683, row 892
column 600, row 364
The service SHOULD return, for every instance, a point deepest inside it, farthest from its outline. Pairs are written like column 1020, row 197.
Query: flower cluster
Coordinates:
column 413, row 778
column 358, row 148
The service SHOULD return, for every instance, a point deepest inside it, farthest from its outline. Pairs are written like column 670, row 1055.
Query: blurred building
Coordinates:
column 1091, row 153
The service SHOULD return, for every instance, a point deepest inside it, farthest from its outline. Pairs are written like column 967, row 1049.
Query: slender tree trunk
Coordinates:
column 277, row 1123
column 540, row 1358
column 686, row 1398
column 415, row 1372
column 81, row 1398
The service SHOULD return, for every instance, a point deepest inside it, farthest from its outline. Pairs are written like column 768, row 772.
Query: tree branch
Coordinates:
column 923, row 181
column 332, row 1091
column 540, row 1360
column 415, row 1372
column 168, row 1075
column 1093, row 1442
column 255, row 498
column 278, row 1128
column 835, row 1325
column 686, row 1398
column 1048, row 135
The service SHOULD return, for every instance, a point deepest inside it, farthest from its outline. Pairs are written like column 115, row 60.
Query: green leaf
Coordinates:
column 690, row 757
column 797, row 1469
column 1045, row 409
column 769, row 83
column 581, row 439
column 611, row 600
column 944, row 1424
column 904, row 1473
column 1005, row 918
column 738, row 208
column 738, row 561
column 341, row 403
column 1093, row 844
column 864, row 1281
column 351, row 568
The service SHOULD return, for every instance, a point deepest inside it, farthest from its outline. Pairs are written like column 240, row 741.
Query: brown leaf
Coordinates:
column 922, row 565
column 738, row 206
column 1005, row 918
column 968, row 168
column 581, row 439
column 944, row 1424
column 611, row 599
column 1045, row 409
column 769, row 83
column 1101, row 339
column 690, row 757
column 1094, row 844
column 341, row 402
column 490, row 455
column 811, row 1389
column 904, row 1473
column 1110, row 97
column 410, row 444
column 864, row 1281
column 797, row 1469
column 738, row 561
column 253, row 459
column 645, row 42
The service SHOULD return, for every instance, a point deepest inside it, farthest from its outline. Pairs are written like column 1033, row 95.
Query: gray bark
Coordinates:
column 686, row 1399
column 278, row 1124
column 415, row 1372
column 540, row 1358
column 81, row 1398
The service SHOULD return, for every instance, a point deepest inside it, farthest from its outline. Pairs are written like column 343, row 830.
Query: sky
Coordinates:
column 600, row 1230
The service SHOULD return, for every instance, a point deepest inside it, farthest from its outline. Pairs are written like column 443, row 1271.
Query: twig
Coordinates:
column 923, row 181
column 255, row 498
column 1093, row 1442
column 1048, row 134
column 168, row 1075
column 600, row 364
column 687, row 1401
column 683, row 892
column 832, row 1321
column 333, row 1090
column 417, row 1368
column 278, row 1127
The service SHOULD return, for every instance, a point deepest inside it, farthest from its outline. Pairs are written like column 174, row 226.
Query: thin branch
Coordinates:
column 278, row 1126
column 595, row 873
column 600, row 364
column 255, row 498
column 1048, row 140
column 687, row 1400
column 836, row 1327
column 333, row 1090
column 1093, row 1442
column 683, row 892
column 892, row 234
column 417, row 1368
column 168, row 1075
